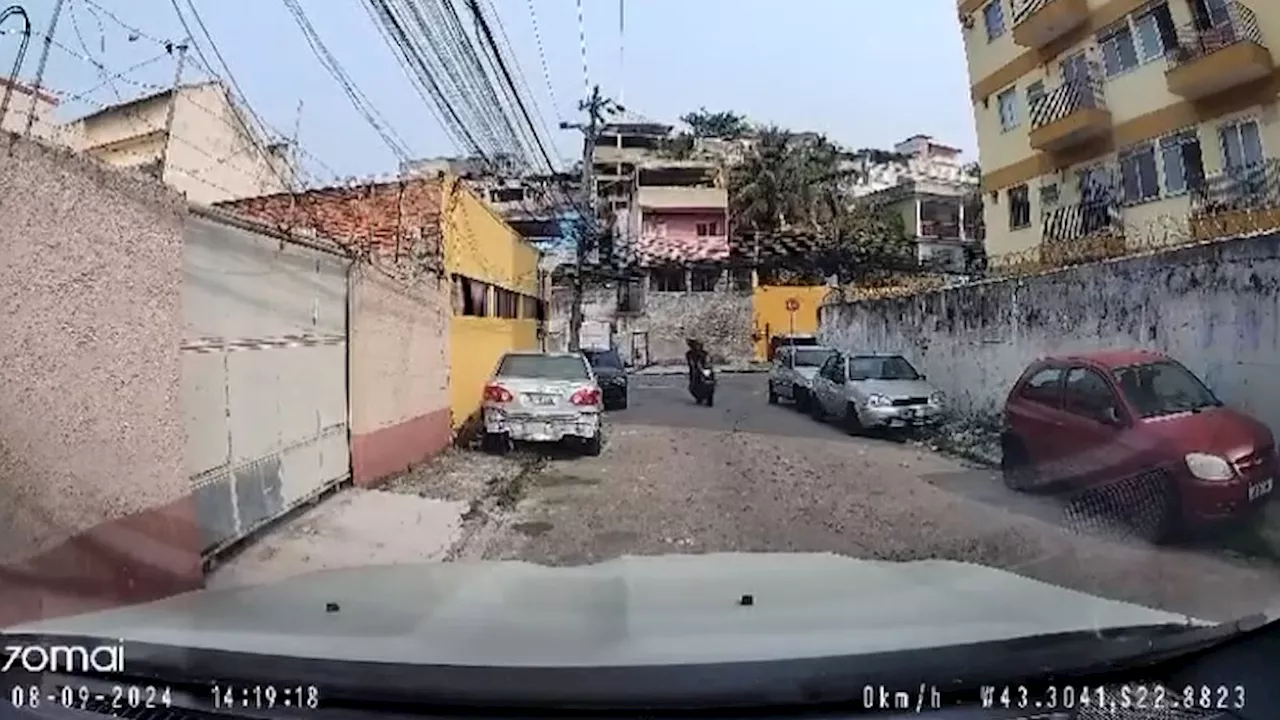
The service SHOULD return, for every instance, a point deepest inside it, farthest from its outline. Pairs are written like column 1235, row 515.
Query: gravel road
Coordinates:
column 747, row 476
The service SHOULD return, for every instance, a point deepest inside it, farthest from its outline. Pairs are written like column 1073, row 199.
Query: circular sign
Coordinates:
column 793, row 304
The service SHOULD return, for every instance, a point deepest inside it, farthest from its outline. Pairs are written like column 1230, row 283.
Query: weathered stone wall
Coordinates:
column 656, row 333
column 1214, row 307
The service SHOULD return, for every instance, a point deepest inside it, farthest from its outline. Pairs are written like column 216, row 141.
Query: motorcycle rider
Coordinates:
column 697, row 359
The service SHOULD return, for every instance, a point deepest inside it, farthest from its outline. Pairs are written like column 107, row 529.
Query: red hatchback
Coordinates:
column 1141, row 434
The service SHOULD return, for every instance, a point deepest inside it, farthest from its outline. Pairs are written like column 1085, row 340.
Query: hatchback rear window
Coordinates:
column 811, row 357
column 1164, row 388
column 550, row 367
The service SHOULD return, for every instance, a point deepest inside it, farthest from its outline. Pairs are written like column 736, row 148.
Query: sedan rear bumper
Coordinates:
column 542, row 428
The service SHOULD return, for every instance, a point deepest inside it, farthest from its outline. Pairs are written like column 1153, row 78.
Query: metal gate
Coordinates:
column 264, row 365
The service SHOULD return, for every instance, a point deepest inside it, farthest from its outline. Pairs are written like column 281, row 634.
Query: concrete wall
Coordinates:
column 656, row 334
column 1214, row 307
column 94, row 506
column 481, row 246
column 400, row 350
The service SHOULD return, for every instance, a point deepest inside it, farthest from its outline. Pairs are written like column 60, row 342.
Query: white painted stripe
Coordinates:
column 209, row 345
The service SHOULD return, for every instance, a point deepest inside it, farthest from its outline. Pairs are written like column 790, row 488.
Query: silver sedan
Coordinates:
column 543, row 397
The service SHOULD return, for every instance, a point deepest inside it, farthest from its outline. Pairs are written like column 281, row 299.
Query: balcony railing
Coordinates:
column 939, row 229
column 1236, row 201
column 1073, row 112
column 1084, row 232
column 1252, row 187
column 1037, row 23
column 1081, row 220
column 1208, row 60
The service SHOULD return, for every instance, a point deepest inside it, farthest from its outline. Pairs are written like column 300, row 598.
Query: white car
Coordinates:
column 543, row 397
column 791, row 373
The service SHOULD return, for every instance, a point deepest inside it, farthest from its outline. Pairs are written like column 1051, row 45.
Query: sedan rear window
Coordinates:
column 550, row 367
column 603, row 358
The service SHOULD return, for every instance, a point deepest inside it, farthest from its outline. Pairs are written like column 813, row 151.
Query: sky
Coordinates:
column 867, row 74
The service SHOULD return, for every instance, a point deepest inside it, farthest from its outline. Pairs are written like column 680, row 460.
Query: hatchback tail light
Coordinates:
column 586, row 396
column 497, row 393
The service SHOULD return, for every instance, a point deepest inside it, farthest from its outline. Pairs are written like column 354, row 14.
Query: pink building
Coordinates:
column 680, row 214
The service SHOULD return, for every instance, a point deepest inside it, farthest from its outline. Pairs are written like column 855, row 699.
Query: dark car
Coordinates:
column 1140, row 433
column 612, row 375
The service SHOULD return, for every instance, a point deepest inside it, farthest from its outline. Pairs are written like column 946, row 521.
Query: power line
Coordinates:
column 357, row 97
column 542, row 58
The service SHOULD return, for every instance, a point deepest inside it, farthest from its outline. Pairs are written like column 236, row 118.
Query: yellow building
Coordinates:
column 497, row 294
column 772, row 315
column 1113, row 122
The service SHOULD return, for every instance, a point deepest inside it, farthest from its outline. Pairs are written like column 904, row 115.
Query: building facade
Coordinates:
column 1110, row 124
column 29, row 102
column 210, row 152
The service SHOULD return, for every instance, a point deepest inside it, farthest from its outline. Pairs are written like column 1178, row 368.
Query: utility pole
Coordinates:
column 588, row 232
column 44, row 60
column 181, row 48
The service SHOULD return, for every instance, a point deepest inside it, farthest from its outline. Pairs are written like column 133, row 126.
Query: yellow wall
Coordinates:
column 1141, row 107
column 480, row 246
column 769, row 309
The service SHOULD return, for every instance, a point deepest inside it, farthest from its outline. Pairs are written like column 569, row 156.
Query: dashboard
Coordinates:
column 1234, row 681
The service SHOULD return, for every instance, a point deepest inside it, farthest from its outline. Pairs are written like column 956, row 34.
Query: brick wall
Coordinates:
column 386, row 215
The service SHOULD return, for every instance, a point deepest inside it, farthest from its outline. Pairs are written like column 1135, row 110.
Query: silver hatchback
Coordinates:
column 875, row 391
column 543, row 397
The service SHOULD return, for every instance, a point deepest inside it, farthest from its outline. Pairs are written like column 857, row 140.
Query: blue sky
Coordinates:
column 866, row 73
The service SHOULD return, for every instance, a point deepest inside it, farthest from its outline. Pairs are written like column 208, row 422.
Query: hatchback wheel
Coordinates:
column 773, row 396
column 1015, row 464
column 852, row 423
column 1150, row 504
column 799, row 397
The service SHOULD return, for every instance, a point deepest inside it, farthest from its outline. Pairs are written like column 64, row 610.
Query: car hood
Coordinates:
column 1218, row 430
column 630, row 611
column 806, row 372
column 894, row 388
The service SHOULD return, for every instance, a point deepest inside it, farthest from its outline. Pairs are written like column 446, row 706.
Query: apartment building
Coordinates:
column 209, row 151
column 25, row 101
column 1123, row 121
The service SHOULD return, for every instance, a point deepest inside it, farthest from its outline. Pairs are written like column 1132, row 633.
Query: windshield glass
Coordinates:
column 1163, row 388
column 432, row 300
column 889, row 367
column 548, row 367
column 810, row 358
column 603, row 359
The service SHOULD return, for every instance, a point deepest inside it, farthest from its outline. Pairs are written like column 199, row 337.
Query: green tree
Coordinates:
column 725, row 124
column 795, row 183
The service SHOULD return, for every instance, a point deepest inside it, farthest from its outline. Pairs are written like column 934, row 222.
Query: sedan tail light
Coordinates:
column 497, row 393
column 586, row 396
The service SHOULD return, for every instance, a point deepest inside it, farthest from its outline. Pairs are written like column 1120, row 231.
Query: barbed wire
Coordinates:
column 1161, row 234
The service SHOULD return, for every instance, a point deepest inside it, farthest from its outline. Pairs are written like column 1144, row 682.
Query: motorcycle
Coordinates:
column 704, row 387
